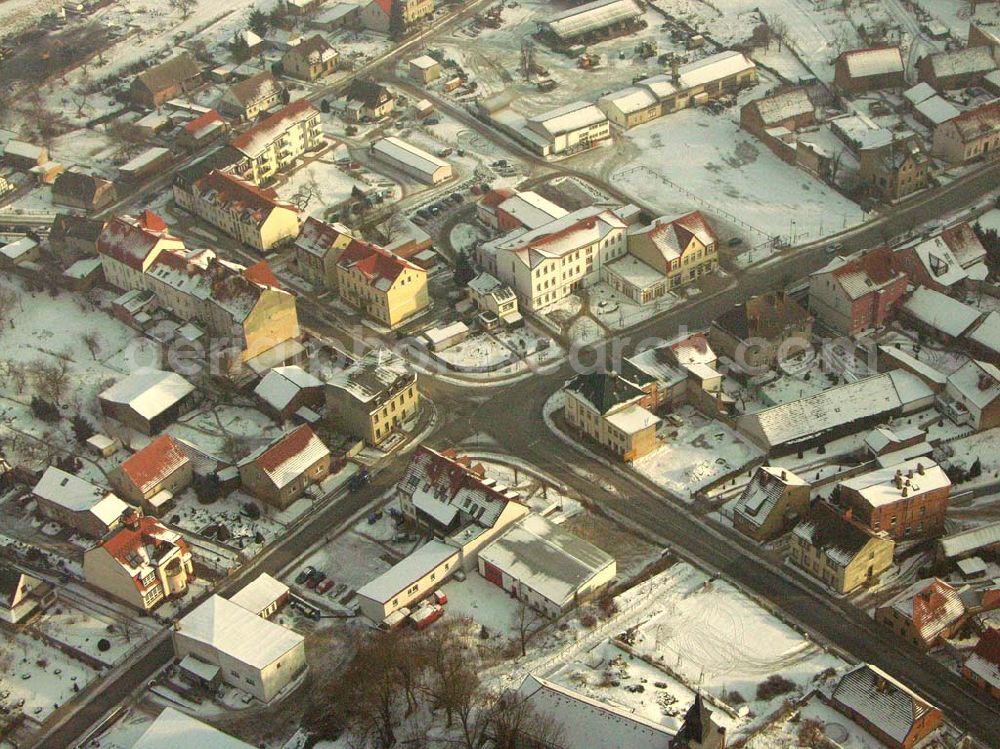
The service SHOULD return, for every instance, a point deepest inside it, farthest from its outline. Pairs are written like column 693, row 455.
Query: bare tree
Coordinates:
column 8, row 301
column 779, row 30
column 515, row 724
column 184, row 6
column 51, row 379
column 525, row 618
column 17, row 372
column 372, row 699
column 93, row 343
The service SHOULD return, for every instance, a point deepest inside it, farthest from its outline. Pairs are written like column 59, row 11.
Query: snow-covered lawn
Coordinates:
column 38, row 674
column 318, row 186
column 694, row 454
column 82, row 632
column 217, row 429
column 477, row 351
column 791, row 734
column 485, row 603
column 694, row 159
column 464, row 236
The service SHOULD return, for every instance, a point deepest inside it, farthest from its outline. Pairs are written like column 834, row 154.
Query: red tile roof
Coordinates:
column 240, row 196
column 130, row 240
column 203, row 121
column 285, row 449
column 262, row 275
column 373, row 262
column 154, row 463
column 495, row 197
column 989, row 646
column 147, row 531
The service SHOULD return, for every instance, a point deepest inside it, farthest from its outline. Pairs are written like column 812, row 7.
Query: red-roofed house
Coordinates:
column 383, row 286
column 377, row 14
column 129, row 245
column 280, row 472
column 202, row 130
column 924, row 613
column 154, row 474
column 242, row 210
column 851, row 296
column 277, row 141
column 973, row 135
column 143, row 563
column 982, row 668
column 486, row 206
column 682, row 249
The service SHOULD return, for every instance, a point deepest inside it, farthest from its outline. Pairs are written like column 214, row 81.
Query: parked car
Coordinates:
column 358, row 480
column 440, row 597
column 834, row 248
column 424, row 213
column 456, row 197
column 305, row 574
column 426, row 614
column 315, row 579
column 325, row 585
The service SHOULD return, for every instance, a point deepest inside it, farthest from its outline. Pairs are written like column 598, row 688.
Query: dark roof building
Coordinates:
column 163, row 82
column 83, row 191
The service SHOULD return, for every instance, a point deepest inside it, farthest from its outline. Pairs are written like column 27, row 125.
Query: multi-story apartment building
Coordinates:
column 242, row 210
column 277, row 141
column 906, row 500
column 143, row 563
column 375, row 396
column 549, row 263
column 608, row 409
column 318, row 248
column 851, row 296
column 129, row 245
column 383, row 286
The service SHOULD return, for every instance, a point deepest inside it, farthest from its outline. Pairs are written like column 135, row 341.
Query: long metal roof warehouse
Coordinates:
column 412, row 160
column 591, row 17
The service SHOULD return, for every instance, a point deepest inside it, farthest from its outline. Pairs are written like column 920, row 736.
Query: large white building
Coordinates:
column 412, row 160
column 569, row 128
column 549, row 263
column 173, row 729
column 253, row 654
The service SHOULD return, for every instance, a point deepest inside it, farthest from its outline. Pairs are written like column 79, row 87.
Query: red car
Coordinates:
column 324, row 586
column 315, row 579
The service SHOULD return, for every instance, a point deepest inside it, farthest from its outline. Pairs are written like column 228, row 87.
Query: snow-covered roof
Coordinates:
column 149, row 392
column 921, row 92
column 147, row 157
column 862, row 63
column 714, row 68
column 987, row 332
column 591, row 16
column 232, row 630
column 542, row 556
column 580, row 228
column 939, row 261
column 261, row 136
column 633, row 419
column 424, row 62
column 259, row 593
column 77, row 495
column 837, row 406
column 931, row 605
column 661, row 85
column 977, row 382
column 671, row 236
column 937, row 110
column 289, row 456
column 962, row 61
column 567, row 119
column 629, row 100
column 24, row 150
column 870, row 692
column 404, row 153
column 586, row 722
column 940, row 311
column 15, row 250
column 783, row 106
column 378, row 372
column 531, row 210
column 911, row 478
column 925, row 370
column 438, row 335
column 173, row 729
column 761, row 495
column 280, row 385
column 408, row 571
column 485, row 283
column 151, row 465
column 960, row 544
column 882, row 437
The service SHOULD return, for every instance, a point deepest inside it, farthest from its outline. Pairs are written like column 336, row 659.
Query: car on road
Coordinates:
column 834, row 248
column 456, row 198
column 359, row 479
column 305, row 574
column 325, row 585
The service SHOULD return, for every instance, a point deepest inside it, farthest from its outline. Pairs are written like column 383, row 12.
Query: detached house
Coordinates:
column 837, row 550
column 242, row 210
column 975, row 388
column 770, row 503
column 930, row 263
column 318, row 248
column 851, row 296
column 367, row 100
column 381, row 285
column 84, row 192
column 924, row 613
column 377, row 14
column 155, row 474
column 374, row 396
column 21, row 595
column 766, row 330
column 681, row 249
column 246, row 99
column 77, row 504
column 148, row 400
column 607, row 408
column 869, row 69
column 972, row 135
column 277, row 141
column 165, row 81
column 310, row 59
column 906, row 500
column 204, row 129
column 452, row 497
column 494, row 298
column 885, row 708
column 957, row 68
column 280, row 472
column 895, row 170
column 143, row 563
column 791, row 110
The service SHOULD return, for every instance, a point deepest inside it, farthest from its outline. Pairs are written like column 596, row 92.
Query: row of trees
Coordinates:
column 407, row 685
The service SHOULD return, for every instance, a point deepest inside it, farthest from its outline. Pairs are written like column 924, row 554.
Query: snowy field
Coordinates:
column 317, row 186
column 38, row 674
column 694, row 454
column 82, row 632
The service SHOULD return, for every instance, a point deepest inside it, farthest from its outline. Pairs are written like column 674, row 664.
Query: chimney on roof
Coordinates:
column 784, row 475
column 130, row 519
column 906, row 490
column 899, row 480
column 920, row 468
column 909, row 474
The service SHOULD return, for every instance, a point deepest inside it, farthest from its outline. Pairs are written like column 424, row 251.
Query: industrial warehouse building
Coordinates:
column 599, row 19
column 412, row 161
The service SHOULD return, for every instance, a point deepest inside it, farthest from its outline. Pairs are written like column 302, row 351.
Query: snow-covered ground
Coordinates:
column 40, row 675
column 694, row 454
column 82, row 632
column 317, row 186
